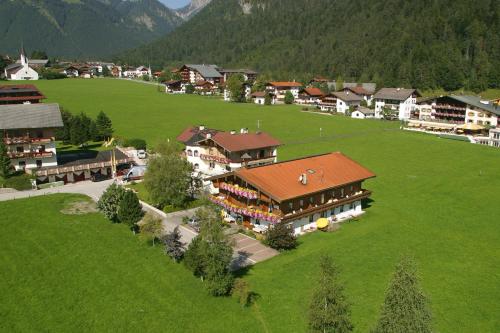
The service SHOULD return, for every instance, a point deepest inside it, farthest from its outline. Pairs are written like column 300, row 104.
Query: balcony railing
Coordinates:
column 44, row 154
column 26, row 140
column 247, row 211
column 448, row 107
column 213, row 158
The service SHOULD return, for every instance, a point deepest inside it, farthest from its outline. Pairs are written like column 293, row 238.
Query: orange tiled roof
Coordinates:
column 281, row 180
column 285, row 84
column 245, row 141
column 314, row 91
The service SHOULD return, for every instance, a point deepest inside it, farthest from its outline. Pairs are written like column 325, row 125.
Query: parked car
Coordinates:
column 136, row 173
column 230, row 218
column 98, row 177
column 141, row 154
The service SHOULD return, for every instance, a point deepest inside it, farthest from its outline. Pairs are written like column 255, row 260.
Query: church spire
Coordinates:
column 24, row 59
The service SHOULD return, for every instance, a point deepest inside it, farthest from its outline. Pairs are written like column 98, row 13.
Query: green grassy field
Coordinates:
column 434, row 199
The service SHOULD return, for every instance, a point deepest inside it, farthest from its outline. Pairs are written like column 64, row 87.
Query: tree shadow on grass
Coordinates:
column 367, row 203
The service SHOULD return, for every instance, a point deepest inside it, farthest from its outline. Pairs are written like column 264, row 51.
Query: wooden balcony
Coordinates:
column 326, row 206
column 44, row 154
column 26, row 140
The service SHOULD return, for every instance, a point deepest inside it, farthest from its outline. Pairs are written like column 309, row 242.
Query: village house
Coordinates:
column 213, row 152
column 205, row 88
column 28, row 131
column 259, row 97
column 361, row 91
column 362, row 112
column 21, row 70
column 310, row 96
column 193, row 73
column 279, row 89
column 298, row 193
column 328, row 103
column 249, row 75
column 20, row 94
column 399, row 101
column 346, row 101
column 175, row 87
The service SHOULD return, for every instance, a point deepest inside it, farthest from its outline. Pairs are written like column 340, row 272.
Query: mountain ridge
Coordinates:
column 82, row 28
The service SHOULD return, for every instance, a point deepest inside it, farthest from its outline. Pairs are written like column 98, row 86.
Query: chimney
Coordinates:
column 202, row 127
column 303, row 179
column 244, row 131
column 209, row 135
column 233, row 132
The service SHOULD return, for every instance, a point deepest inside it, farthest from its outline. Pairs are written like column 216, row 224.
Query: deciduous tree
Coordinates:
column 289, row 97
column 235, row 85
column 329, row 310
column 151, row 227
column 5, row 163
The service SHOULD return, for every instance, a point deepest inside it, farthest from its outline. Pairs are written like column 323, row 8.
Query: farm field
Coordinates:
column 434, row 199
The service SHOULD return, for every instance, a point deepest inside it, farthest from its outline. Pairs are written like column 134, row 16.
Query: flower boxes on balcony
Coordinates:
column 251, row 212
column 213, row 158
column 239, row 191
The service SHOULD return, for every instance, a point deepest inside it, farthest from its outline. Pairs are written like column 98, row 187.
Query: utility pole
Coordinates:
column 258, row 124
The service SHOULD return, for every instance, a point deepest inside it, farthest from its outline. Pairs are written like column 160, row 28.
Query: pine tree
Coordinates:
column 405, row 308
column 289, row 97
column 193, row 257
column 173, row 244
column 130, row 210
column 5, row 164
column 104, row 126
column 329, row 310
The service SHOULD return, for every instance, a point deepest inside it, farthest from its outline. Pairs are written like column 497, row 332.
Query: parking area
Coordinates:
column 249, row 251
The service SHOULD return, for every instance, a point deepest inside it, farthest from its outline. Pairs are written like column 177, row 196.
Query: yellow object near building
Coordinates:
column 322, row 223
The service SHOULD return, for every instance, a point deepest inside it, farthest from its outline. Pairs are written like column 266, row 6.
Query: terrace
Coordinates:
column 26, row 140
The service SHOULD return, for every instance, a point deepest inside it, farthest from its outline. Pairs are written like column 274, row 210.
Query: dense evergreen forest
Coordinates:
column 426, row 44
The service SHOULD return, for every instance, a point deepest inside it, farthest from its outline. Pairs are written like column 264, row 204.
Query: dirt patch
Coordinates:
column 79, row 208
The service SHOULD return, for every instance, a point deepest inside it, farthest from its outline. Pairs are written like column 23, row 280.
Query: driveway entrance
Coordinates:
column 249, row 251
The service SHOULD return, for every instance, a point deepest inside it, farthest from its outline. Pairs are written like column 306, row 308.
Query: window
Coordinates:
column 195, row 153
column 311, row 218
column 212, row 165
column 22, row 164
column 190, row 152
column 351, row 188
column 342, row 192
column 20, row 149
column 332, row 212
column 323, row 214
column 196, row 166
column 301, row 203
column 311, row 200
column 290, row 205
column 322, row 198
column 341, row 209
column 228, row 168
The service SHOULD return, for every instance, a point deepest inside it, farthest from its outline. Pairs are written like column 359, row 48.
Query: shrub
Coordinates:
column 281, row 237
column 151, row 227
column 110, row 200
column 173, row 244
column 136, row 143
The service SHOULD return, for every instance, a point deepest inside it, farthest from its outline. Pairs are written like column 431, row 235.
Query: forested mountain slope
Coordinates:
column 82, row 28
column 425, row 44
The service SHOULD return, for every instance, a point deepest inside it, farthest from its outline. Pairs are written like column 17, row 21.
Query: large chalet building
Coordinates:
column 28, row 131
column 20, row 94
column 400, row 101
column 193, row 73
column 214, row 152
column 297, row 192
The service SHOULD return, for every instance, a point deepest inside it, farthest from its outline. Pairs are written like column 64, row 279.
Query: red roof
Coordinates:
column 26, row 92
column 285, row 84
column 314, row 92
column 323, row 172
column 244, row 141
column 259, row 94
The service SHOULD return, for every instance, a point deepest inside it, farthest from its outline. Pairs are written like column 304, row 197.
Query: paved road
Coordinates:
column 88, row 188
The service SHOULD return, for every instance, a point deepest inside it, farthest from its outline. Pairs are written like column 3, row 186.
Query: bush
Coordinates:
column 130, row 210
column 281, row 237
column 136, row 143
column 110, row 200
column 49, row 75
column 20, row 182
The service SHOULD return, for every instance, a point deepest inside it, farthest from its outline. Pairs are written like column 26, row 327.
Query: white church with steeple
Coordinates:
column 21, row 69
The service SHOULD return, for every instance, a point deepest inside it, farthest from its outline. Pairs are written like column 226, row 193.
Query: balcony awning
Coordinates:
column 471, row 127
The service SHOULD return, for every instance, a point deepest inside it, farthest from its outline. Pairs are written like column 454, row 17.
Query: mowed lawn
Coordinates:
column 434, row 199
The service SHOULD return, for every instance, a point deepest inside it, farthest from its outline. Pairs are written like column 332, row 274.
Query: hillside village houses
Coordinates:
column 401, row 101
column 21, row 70
column 299, row 192
column 310, row 96
column 213, row 152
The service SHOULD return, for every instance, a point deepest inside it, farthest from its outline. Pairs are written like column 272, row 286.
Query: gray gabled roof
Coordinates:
column 478, row 103
column 21, row 116
column 398, row 94
column 347, row 97
column 207, row 71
